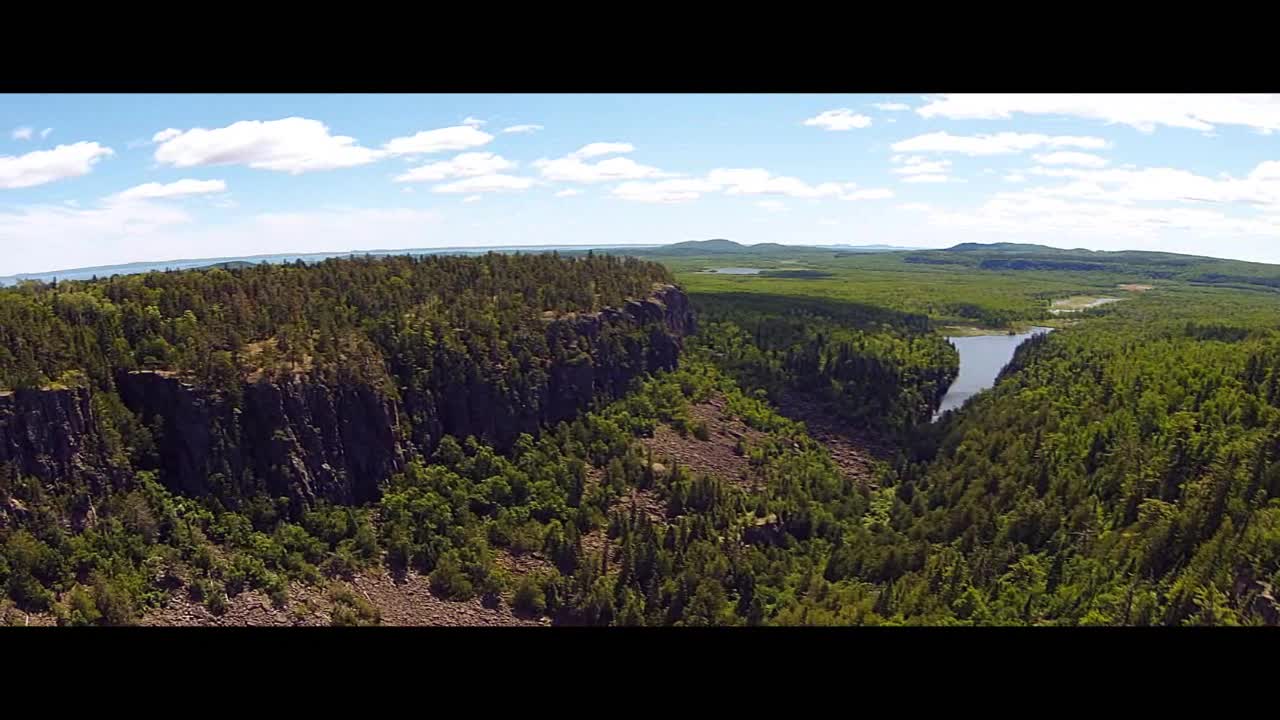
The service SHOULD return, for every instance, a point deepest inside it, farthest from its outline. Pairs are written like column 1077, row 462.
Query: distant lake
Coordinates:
column 982, row 357
column 735, row 271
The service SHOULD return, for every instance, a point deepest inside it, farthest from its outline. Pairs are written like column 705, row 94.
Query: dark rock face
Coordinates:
column 304, row 441
column 50, row 434
column 591, row 356
column 308, row 440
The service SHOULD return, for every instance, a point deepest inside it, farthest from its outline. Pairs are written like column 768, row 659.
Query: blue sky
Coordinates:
column 105, row 179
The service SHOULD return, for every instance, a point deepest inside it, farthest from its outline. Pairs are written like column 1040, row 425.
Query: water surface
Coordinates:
column 982, row 357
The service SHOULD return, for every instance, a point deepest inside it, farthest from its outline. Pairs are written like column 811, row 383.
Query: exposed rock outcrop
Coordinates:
column 307, row 439
column 50, row 434
column 294, row 439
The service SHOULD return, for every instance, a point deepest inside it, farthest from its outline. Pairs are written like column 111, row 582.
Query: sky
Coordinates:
column 89, row 180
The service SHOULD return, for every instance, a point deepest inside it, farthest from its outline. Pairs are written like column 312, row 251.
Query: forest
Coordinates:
column 1125, row 469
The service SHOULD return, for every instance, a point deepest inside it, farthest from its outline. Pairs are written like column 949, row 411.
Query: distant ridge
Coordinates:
column 103, row 271
column 719, row 246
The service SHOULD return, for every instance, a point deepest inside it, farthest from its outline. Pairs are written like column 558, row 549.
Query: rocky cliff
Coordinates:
column 293, row 439
column 50, row 434
column 307, row 439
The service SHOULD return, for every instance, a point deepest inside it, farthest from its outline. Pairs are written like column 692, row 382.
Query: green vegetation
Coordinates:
column 1125, row 470
column 216, row 324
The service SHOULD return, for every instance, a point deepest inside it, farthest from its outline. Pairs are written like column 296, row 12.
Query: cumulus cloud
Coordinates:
column 1071, row 158
column 474, row 121
column 1004, row 143
column 464, row 165
column 919, row 165
column 485, row 184
column 915, row 207
column 21, row 133
column 601, row 148
column 522, row 129
column 757, row 181
column 1028, row 213
column 293, row 145
column 891, row 107
column 459, row 137
column 870, row 194
column 927, row 178
column 839, row 120
column 1144, row 112
column 1261, row 187
column 179, row 188
column 46, row 166
column 53, row 237
column 741, row 181
column 666, row 191
column 574, row 168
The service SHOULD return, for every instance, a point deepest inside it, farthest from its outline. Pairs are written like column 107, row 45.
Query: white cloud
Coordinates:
column 601, row 148
column 998, row 144
column 21, row 133
column 741, row 181
column 666, row 191
column 46, row 166
column 568, row 192
column 470, row 198
column 45, row 133
column 838, row 120
column 772, row 205
column 1143, row 112
column 179, row 188
column 891, row 107
column 919, row 165
column 522, row 129
column 294, row 145
column 928, row 178
column 870, row 194
column 1015, row 178
column 459, row 137
column 572, row 168
column 484, row 184
column 473, row 121
column 54, row 237
column 1164, row 185
column 464, row 165
column 1071, row 158
column 1029, row 213
column 757, row 181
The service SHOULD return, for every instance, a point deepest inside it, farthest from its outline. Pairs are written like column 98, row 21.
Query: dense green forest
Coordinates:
column 216, row 323
column 876, row 369
column 1125, row 470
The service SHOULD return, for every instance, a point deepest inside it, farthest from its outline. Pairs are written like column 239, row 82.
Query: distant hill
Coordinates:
column 1006, row 247
column 229, row 265
column 720, row 246
column 702, row 247
column 1198, row 269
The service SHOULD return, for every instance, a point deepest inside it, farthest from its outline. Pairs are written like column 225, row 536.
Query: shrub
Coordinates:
column 529, row 597
column 448, row 580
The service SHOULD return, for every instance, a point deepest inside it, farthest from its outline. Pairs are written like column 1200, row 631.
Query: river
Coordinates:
column 982, row 357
